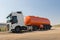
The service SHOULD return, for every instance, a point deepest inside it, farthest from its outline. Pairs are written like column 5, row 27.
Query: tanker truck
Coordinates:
column 16, row 22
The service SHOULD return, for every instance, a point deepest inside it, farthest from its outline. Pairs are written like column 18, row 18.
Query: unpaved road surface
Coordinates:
column 53, row 34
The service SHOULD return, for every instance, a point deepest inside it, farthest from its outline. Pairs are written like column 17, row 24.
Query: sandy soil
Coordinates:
column 53, row 34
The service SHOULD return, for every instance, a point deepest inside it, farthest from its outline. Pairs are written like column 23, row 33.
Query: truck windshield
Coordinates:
column 12, row 19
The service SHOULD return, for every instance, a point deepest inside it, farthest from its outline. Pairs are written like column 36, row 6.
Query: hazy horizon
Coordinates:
column 43, row 8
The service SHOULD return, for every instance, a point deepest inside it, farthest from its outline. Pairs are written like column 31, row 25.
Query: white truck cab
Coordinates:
column 16, row 22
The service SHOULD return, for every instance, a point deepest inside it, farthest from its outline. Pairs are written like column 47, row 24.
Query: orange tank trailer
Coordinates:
column 33, row 20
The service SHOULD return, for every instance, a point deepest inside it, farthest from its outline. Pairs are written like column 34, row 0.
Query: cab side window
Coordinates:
column 14, row 19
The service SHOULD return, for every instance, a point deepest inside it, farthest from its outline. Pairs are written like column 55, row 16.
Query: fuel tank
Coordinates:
column 33, row 20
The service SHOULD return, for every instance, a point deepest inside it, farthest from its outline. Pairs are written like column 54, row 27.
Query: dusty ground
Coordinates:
column 53, row 34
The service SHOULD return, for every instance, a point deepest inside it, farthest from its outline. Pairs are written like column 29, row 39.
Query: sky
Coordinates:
column 43, row 8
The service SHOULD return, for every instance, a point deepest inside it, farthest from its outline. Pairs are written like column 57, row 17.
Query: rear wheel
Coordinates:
column 35, row 28
column 47, row 27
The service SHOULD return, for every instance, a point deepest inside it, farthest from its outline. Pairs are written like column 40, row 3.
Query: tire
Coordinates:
column 44, row 28
column 35, row 28
column 47, row 27
column 50, row 27
column 17, row 30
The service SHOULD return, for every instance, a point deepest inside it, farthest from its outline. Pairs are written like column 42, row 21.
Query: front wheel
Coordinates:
column 17, row 29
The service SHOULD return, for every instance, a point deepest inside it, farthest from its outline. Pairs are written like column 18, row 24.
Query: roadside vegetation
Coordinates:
column 2, row 29
column 56, row 25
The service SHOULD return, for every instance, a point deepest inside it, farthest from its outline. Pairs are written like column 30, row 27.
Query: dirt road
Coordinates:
column 53, row 34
